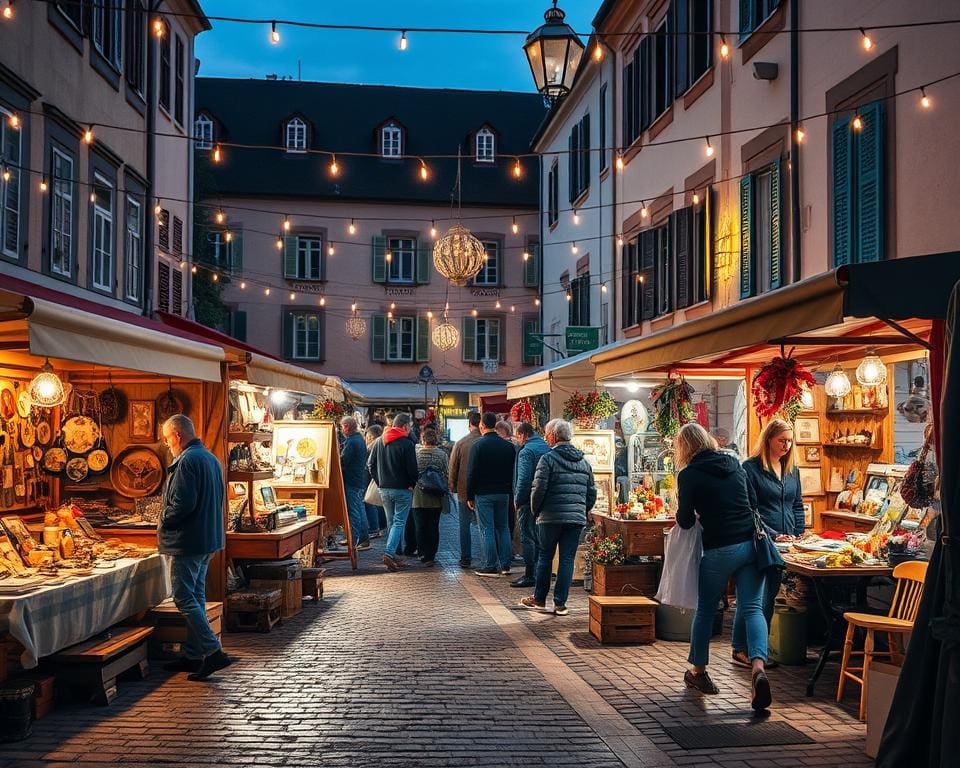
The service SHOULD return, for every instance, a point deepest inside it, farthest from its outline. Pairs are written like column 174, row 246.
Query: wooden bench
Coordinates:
column 97, row 663
column 623, row 619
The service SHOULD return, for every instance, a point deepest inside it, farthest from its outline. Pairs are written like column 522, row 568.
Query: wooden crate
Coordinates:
column 291, row 591
column 253, row 610
column 578, row 562
column 626, row 580
column 623, row 619
column 171, row 630
column 640, row 537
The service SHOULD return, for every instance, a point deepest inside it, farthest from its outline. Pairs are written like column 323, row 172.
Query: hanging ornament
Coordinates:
column 672, row 407
column 778, row 388
column 871, row 372
column 446, row 335
column 458, row 255
column 356, row 326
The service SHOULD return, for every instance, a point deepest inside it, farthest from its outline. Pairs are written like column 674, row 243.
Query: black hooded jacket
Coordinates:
column 714, row 486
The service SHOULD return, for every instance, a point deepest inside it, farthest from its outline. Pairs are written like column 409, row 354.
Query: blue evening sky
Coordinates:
column 431, row 60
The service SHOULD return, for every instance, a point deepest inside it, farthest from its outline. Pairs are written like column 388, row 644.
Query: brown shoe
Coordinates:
column 700, row 681
column 392, row 565
column 741, row 659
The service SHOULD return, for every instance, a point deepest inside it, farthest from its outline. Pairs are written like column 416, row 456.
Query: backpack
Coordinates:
column 431, row 483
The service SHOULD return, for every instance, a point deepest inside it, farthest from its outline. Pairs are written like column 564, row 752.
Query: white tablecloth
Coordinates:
column 56, row 617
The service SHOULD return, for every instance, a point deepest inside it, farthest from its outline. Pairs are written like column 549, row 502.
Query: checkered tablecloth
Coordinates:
column 56, row 617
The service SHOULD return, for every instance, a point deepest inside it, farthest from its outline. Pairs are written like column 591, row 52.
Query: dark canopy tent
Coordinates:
column 922, row 728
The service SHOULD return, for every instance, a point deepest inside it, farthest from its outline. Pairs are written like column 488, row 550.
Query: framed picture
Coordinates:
column 142, row 421
column 598, row 447
column 811, row 483
column 605, row 493
column 811, row 454
column 808, row 514
column 806, row 430
column 301, row 451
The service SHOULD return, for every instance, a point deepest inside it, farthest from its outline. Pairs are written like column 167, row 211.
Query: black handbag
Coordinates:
column 431, row 483
column 768, row 556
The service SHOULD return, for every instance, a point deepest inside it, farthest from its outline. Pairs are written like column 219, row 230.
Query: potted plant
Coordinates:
column 585, row 409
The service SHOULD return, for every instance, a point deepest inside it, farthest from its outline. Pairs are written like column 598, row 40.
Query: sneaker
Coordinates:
column 700, row 681
column 465, row 564
column 375, row 535
column 505, row 571
column 560, row 610
column 391, row 563
column 487, row 572
column 183, row 664
column 531, row 603
column 741, row 659
column 210, row 664
column 761, row 692
column 363, row 546
column 524, row 582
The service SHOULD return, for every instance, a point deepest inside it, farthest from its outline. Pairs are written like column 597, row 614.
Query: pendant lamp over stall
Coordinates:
column 46, row 389
column 838, row 383
column 871, row 372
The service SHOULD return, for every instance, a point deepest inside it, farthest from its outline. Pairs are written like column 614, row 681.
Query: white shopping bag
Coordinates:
column 681, row 567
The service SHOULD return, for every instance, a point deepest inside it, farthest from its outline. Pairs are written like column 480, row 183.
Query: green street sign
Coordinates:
column 532, row 344
column 582, row 338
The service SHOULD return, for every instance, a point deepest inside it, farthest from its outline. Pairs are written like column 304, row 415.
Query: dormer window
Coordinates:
column 486, row 147
column 391, row 141
column 203, row 132
column 296, row 135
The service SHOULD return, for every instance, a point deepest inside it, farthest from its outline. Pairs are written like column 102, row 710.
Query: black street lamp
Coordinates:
column 553, row 51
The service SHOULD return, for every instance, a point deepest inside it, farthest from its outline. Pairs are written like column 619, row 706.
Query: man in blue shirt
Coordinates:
column 532, row 447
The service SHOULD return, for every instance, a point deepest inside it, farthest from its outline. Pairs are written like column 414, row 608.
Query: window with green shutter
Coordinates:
column 761, row 251
column 531, row 325
column 378, row 338
column 379, row 259
column 424, row 261
column 531, row 265
column 303, row 335
column 423, row 338
column 469, row 340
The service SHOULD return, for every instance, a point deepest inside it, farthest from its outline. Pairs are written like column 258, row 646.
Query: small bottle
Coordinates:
column 857, row 397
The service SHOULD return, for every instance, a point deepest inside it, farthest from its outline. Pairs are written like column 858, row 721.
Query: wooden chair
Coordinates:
column 899, row 621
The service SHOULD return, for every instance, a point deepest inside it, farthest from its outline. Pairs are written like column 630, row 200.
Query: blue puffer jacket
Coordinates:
column 353, row 461
column 780, row 503
column 563, row 489
column 527, row 460
column 191, row 522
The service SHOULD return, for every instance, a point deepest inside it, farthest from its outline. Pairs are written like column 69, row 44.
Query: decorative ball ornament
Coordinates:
column 356, row 326
column 871, row 372
column 446, row 336
column 46, row 389
column 458, row 255
column 837, row 383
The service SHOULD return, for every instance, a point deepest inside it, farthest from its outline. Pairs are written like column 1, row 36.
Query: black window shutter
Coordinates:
column 239, row 325
column 176, row 292
column 627, row 102
column 287, row 331
column 322, row 335
column 572, row 165
column 683, row 252
column 163, row 286
column 682, row 44
column 585, row 153
column 626, row 286
column 643, row 83
column 648, row 255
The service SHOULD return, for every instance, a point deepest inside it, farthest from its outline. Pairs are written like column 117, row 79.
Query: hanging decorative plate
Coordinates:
column 54, row 460
column 77, row 469
column 80, row 434
column 113, row 406
column 28, row 434
column 44, row 433
column 23, row 404
column 634, row 417
column 137, row 471
column 169, row 404
column 98, row 460
column 37, row 453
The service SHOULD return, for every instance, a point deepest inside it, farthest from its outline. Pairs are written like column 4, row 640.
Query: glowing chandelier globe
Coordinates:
column 356, row 326
column 458, row 255
column 446, row 336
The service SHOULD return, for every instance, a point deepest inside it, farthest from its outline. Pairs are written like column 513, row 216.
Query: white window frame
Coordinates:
column 14, row 171
column 133, row 248
column 403, row 260
column 488, row 340
column 486, row 146
column 397, row 329
column 391, row 141
column 101, row 266
column 61, row 216
column 296, row 135
column 203, row 132
column 489, row 274
column 306, row 337
column 106, row 25
column 221, row 250
column 309, row 257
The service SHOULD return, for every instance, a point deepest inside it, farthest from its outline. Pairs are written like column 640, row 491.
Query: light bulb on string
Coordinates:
column 569, row 296
column 193, row 269
column 334, row 168
column 515, row 227
column 497, row 305
column 573, row 248
column 526, row 255
column 801, row 135
column 403, row 41
column 388, row 257
column 620, row 240
column 513, row 308
column 215, row 277
column 474, row 312
column 323, row 301
column 8, row 10
column 429, row 315
column 603, row 288
column 266, row 291
column 217, row 154
column 286, row 224
column 517, row 169
column 158, row 28
column 274, row 33
column 88, row 135
column 352, row 229
column 14, row 121
column 865, row 40
column 708, row 150
column 598, row 52
column 536, row 302
column 643, row 210
column 424, row 173
column 724, row 48
column 576, row 216
column 857, row 123
column 5, row 175
column 353, row 307
column 43, row 184
column 393, row 305
column 331, row 250
column 293, row 296
column 279, row 242
column 619, row 161
column 220, row 217
column 696, row 198
column 924, row 99
column 228, row 236
column 243, row 285
column 433, row 230
column 157, row 209
column 93, row 195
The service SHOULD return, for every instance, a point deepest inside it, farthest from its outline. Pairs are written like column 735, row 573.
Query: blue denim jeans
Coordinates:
column 771, row 586
column 373, row 517
column 493, row 517
column 566, row 536
column 189, row 574
column 717, row 566
column 396, row 503
column 357, row 514
column 466, row 516
column 529, row 540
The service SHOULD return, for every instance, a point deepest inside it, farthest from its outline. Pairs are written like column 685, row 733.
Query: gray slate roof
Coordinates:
column 346, row 117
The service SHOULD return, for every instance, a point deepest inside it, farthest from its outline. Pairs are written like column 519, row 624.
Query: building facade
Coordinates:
column 324, row 210
column 78, row 187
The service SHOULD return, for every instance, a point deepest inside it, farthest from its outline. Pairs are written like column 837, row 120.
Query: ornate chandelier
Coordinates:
column 46, row 389
column 458, row 255
column 446, row 335
column 356, row 326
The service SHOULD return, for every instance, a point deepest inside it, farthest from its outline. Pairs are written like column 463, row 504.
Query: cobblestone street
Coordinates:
column 435, row 667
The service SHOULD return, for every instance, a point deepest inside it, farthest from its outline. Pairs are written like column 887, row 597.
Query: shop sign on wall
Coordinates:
column 582, row 338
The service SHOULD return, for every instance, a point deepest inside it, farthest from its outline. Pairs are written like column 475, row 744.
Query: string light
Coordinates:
column 330, row 250
column 424, row 173
column 603, row 288
column 323, row 301
column 696, row 199
column 158, row 27
column 865, row 40
column 293, row 296
column 573, row 247
column 474, row 312
column 513, row 308
column 389, row 315
column 8, row 10
column 429, row 315
column 228, row 236
column 515, row 227
column 243, row 285
column 619, row 162
column 536, row 302
column 215, row 277
column 517, row 169
column 924, row 99
column 274, row 33
column 93, row 195
column 708, row 151
column 266, row 291
column 157, row 209
column 569, row 297
column 352, row 229
column 620, row 240
column 88, row 135
column 857, row 123
column 217, row 154
column 724, row 48
column 14, row 119
column 433, row 230
column 182, row 264
column 388, row 257
column 526, row 255
column 643, row 210
column 220, row 216
column 576, row 216
column 393, row 305
column 497, row 305
column 598, row 52
column 334, row 168
column 286, row 224
column 279, row 242
column 403, row 41
column 5, row 174
column 43, row 184
column 193, row 269
column 800, row 135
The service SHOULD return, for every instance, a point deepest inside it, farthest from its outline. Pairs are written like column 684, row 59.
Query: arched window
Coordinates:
column 296, row 135
column 203, row 132
column 391, row 140
column 486, row 146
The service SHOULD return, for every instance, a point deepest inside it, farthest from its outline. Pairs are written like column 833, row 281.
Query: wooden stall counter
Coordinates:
column 846, row 522
column 275, row 545
column 640, row 537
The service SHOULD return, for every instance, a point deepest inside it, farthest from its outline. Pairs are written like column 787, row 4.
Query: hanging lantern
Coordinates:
column 553, row 51
column 458, row 255
column 46, row 389
column 446, row 336
column 871, row 372
column 837, row 383
column 356, row 326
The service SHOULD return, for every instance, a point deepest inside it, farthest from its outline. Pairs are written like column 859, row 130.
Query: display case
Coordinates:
column 649, row 455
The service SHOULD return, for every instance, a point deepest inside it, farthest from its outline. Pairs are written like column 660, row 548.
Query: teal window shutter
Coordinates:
column 531, row 267
column 423, row 338
column 239, row 325
column 290, row 246
column 469, row 340
column 379, row 259
column 287, row 342
column 530, row 325
column 424, row 257
column 746, row 237
column 746, row 18
column 378, row 338
column 776, row 251
column 869, row 184
column 842, row 151
column 236, row 254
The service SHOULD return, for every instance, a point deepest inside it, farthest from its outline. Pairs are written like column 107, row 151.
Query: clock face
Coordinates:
column 633, row 418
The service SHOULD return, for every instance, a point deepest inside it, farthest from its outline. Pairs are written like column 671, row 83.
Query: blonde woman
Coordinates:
column 773, row 483
column 712, row 486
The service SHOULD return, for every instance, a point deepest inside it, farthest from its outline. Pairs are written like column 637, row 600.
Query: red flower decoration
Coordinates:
column 777, row 388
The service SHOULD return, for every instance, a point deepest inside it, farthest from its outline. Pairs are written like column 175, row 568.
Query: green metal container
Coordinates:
column 788, row 635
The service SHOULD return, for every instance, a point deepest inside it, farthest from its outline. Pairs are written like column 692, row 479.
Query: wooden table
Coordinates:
column 846, row 522
column 274, row 545
column 826, row 583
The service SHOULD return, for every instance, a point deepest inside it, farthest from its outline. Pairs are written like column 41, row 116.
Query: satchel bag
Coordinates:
column 768, row 556
column 431, row 483
column 372, row 496
column 920, row 481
